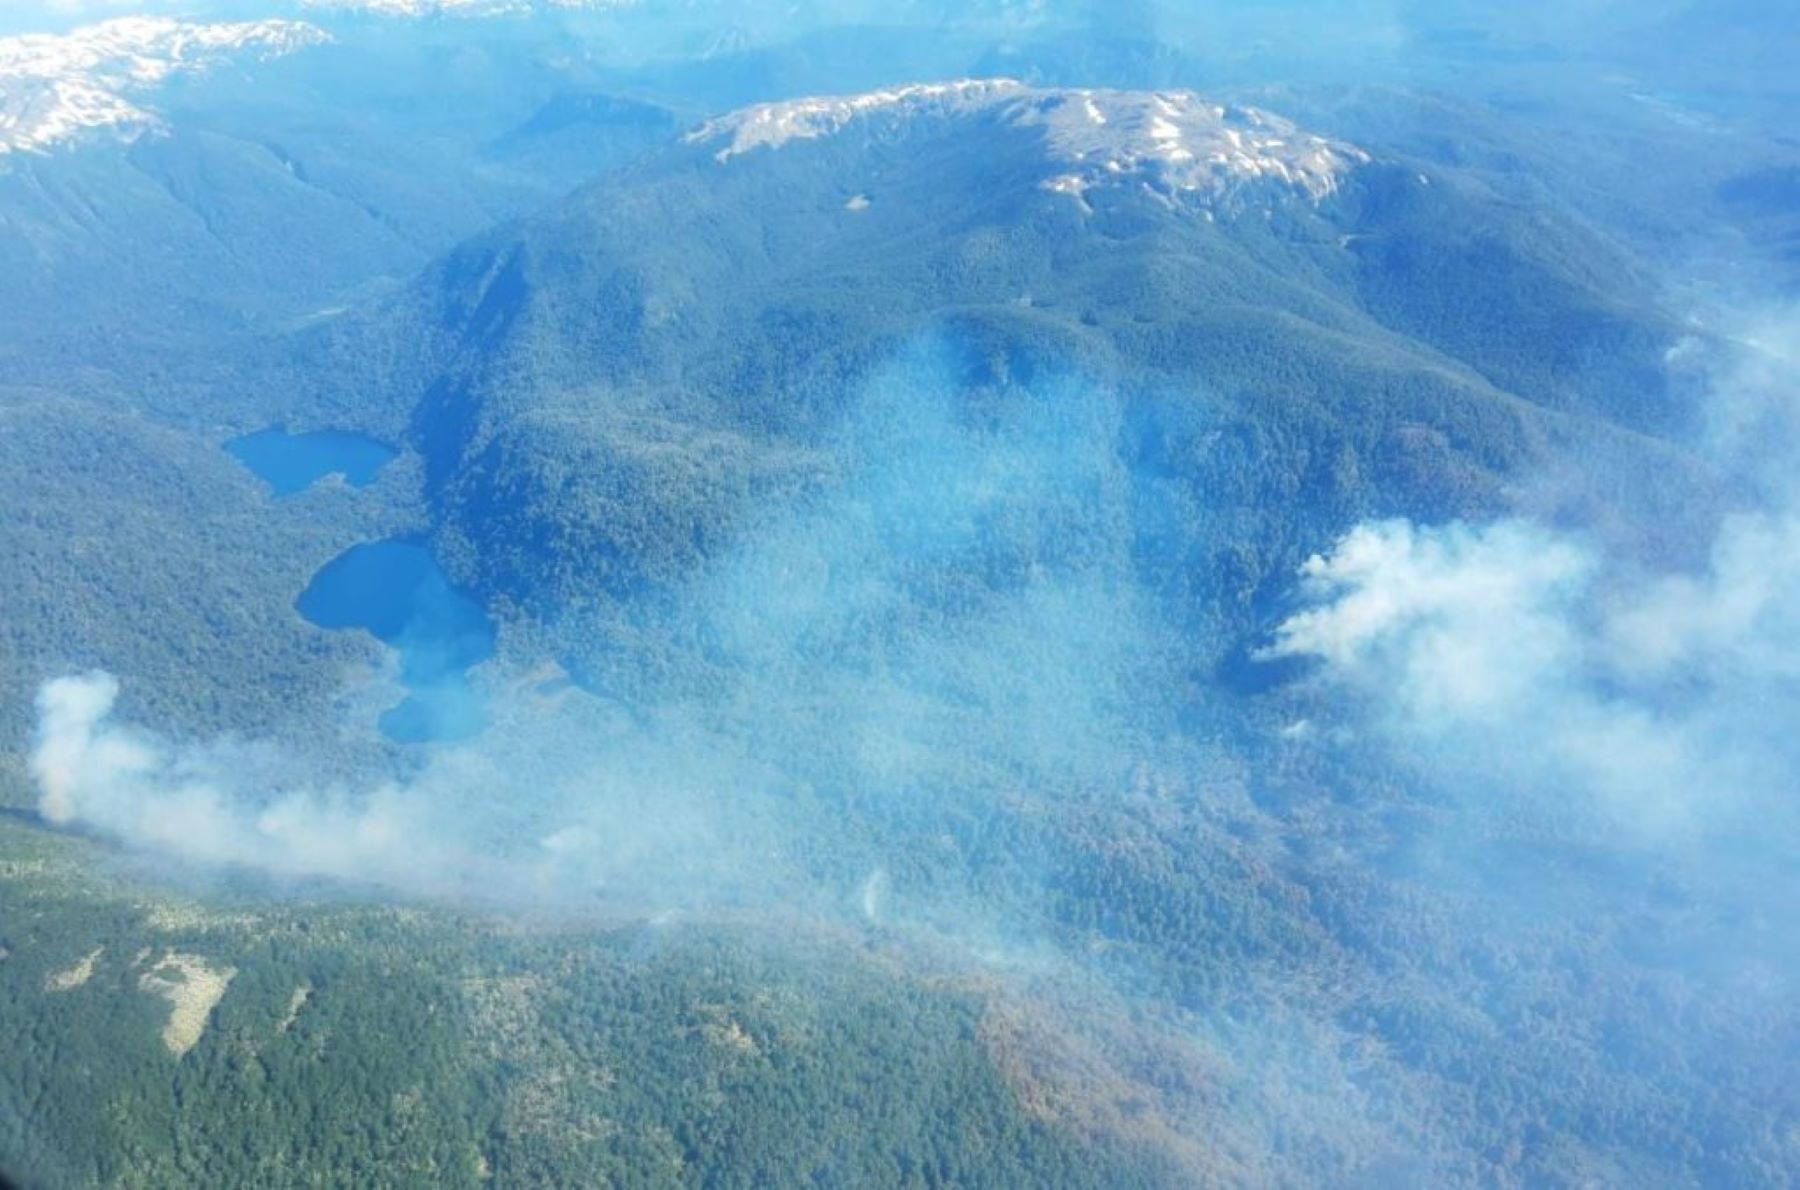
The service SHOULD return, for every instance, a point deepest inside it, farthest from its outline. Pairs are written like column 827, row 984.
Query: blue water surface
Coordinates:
column 396, row 591
column 291, row 463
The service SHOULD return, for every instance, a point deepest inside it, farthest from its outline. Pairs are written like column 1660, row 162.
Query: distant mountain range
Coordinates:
column 56, row 89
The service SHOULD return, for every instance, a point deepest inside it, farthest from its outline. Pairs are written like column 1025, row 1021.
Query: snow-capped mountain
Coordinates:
column 56, row 87
column 749, row 277
column 457, row 8
column 1173, row 142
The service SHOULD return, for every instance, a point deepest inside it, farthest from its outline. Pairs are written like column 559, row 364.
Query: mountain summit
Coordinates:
column 1173, row 143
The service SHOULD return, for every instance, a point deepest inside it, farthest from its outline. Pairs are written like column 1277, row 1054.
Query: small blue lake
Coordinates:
column 396, row 591
column 291, row 463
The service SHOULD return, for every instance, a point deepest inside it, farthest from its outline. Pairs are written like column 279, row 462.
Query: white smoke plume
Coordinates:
column 188, row 803
column 67, row 758
column 1540, row 661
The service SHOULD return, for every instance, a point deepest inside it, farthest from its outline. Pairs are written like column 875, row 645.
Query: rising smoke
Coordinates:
column 1543, row 663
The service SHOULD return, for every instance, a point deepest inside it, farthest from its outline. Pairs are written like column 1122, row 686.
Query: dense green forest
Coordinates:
column 369, row 1043
column 134, row 546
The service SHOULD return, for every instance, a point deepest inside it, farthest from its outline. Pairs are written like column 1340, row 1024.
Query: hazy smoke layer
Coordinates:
column 954, row 624
column 833, row 716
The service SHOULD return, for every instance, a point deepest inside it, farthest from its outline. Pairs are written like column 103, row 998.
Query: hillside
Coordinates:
column 599, row 402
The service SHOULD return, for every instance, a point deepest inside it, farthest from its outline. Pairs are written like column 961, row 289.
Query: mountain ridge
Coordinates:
column 1184, row 147
column 56, row 89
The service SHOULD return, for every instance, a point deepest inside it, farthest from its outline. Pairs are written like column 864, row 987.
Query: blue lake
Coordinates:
column 292, row 463
column 397, row 592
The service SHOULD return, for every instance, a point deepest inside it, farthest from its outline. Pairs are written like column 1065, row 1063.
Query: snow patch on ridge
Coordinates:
column 770, row 125
column 1176, row 142
column 56, row 86
column 415, row 9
